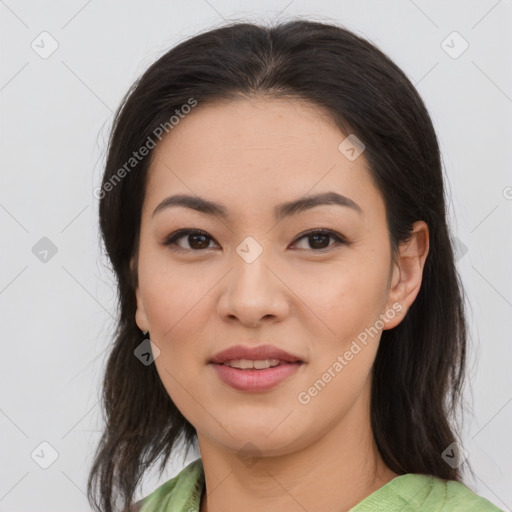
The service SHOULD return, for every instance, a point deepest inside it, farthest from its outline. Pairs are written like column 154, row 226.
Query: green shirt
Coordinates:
column 405, row 493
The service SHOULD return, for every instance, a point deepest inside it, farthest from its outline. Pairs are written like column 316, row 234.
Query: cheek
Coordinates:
column 344, row 298
column 348, row 302
column 167, row 289
column 176, row 303
column 177, row 306
column 176, row 311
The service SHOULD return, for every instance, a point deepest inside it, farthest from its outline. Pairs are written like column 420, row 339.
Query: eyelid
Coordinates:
column 339, row 239
column 180, row 233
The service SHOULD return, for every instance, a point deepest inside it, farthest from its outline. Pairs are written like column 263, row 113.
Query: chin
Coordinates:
column 262, row 440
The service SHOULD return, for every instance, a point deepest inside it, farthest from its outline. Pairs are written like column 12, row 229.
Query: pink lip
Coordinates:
column 255, row 380
column 261, row 352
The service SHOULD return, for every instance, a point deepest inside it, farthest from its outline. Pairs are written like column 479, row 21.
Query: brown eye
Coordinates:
column 196, row 239
column 319, row 239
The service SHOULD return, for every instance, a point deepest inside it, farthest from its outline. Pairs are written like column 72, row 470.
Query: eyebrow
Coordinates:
column 280, row 211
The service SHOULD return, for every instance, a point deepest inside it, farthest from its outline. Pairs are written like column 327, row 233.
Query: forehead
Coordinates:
column 247, row 152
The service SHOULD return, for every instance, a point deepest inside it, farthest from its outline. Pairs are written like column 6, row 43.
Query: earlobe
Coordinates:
column 408, row 271
column 140, row 317
column 140, row 314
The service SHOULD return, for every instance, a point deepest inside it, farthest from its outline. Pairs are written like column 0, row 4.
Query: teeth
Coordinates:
column 246, row 364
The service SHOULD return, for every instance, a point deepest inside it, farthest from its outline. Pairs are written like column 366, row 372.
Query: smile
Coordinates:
column 239, row 375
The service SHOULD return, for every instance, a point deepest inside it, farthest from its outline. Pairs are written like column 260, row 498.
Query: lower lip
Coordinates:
column 255, row 380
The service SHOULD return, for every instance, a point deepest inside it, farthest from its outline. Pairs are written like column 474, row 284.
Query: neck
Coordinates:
column 334, row 472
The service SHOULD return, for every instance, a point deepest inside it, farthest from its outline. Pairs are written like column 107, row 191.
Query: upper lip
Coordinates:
column 258, row 353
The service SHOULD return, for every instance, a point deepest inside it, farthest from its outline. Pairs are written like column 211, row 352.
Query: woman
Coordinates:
column 273, row 207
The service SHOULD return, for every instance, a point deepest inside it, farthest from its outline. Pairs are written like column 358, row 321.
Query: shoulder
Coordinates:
column 436, row 494
column 185, row 488
column 413, row 492
column 460, row 497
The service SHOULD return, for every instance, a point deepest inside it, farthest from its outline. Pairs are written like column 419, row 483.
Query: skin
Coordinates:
column 251, row 155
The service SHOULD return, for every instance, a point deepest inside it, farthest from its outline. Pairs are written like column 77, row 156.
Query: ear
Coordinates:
column 407, row 273
column 140, row 314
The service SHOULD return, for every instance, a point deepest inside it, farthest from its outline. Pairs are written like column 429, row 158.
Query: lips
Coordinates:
column 262, row 352
column 233, row 367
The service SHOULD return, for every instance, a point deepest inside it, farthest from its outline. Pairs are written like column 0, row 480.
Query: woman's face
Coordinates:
column 256, row 279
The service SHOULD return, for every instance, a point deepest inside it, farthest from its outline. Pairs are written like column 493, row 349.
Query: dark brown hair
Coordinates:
column 420, row 364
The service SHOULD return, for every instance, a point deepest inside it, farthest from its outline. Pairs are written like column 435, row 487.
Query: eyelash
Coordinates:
column 173, row 237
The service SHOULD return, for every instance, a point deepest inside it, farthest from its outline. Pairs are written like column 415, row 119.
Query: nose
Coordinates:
column 253, row 292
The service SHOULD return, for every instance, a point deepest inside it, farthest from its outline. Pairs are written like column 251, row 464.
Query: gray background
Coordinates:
column 56, row 112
